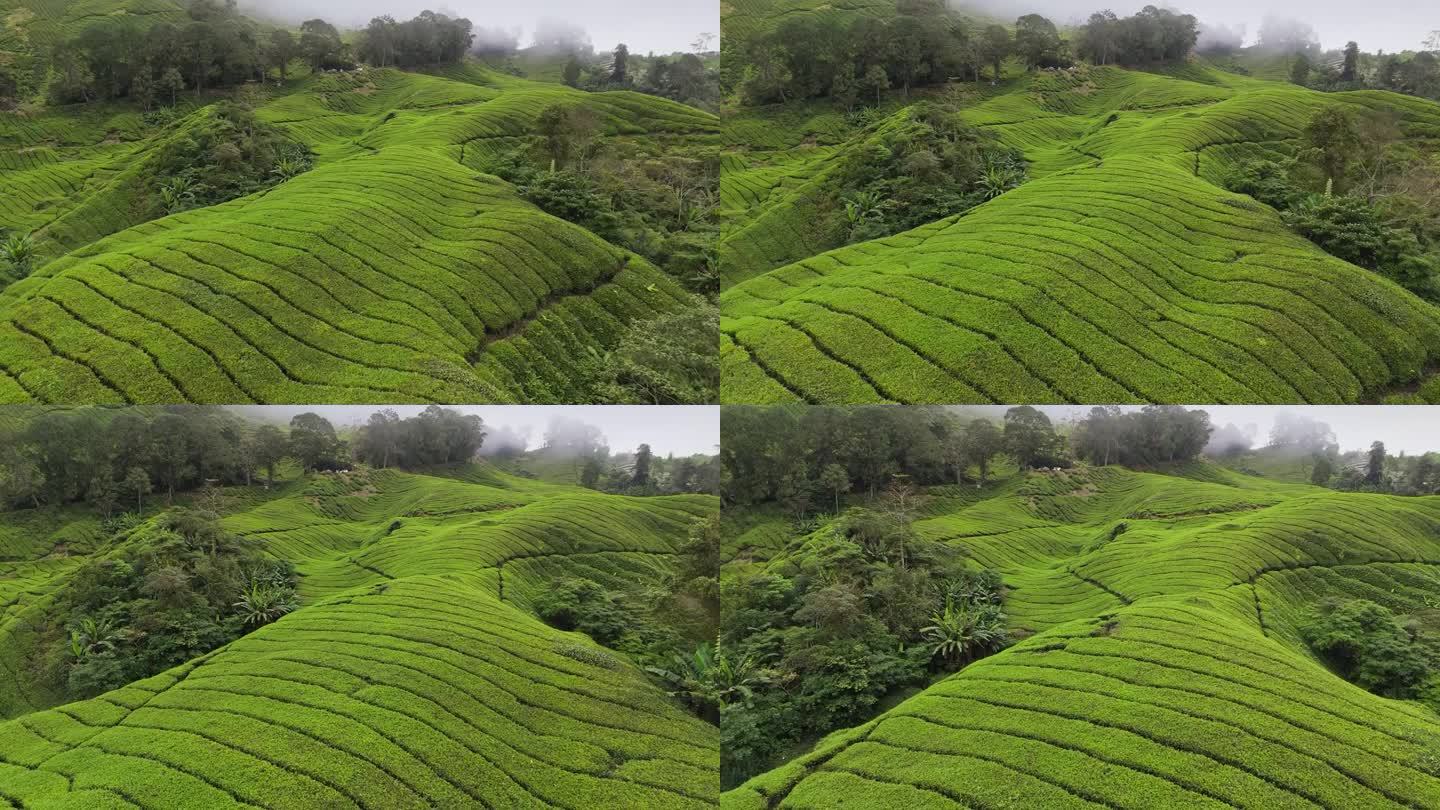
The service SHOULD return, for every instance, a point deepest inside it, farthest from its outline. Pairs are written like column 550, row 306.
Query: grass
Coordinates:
column 1160, row 666
column 395, row 270
column 413, row 675
column 1120, row 272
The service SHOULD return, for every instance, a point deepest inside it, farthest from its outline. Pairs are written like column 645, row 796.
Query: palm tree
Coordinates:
column 287, row 167
column 177, row 195
column 998, row 179
column 263, row 601
column 92, row 635
column 964, row 629
column 19, row 252
column 862, row 207
column 708, row 680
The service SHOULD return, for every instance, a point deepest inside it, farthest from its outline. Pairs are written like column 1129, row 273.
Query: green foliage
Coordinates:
column 849, row 614
column 666, row 360
column 1369, row 646
column 929, row 166
column 229, row 153
column 427, row 39
column 165, row 599
column 436, row 436
column 962, row 631
column 19, row 252
column 1158, row 434
column 1354, row 230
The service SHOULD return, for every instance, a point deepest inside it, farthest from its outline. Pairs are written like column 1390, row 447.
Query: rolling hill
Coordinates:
column 397, row 269
column 412, row 675
column 1120, row 271
column 1160, row 661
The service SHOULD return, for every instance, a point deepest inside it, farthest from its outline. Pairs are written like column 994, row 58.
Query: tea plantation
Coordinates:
column 412, row 675
column 1160, row 661
column 1120, row 271
column 396, row 269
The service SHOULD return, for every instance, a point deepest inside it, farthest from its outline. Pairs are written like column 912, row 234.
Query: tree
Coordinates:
column 171, row 82
column 619, row 72
column 571, row 74
column 962, row 629
column 1333, row 137
column 1300, row 70
column 1369, row 646
column 995, row 46
column 1420, row 476
column 319, row 43
column 845, row 87
column 641, row 476
column 834, row 478
column 590, row 473
column 312, row 441
column 138, row 482
column 269, row 445
column 1036, row 41
column 1375, row 465
column 103, row 494
column 878, row 80
column 18, row 250
column 1352, row 58
column 568, row 130
column 1029, row 436
column 280, row 49
column 1099, row 38
column 1323, row 470
column 983, row 441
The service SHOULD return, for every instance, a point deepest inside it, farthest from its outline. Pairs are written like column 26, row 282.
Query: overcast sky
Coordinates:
column 1411, row 428
column 678, row 429
column 1394, row 25
column 662, row 26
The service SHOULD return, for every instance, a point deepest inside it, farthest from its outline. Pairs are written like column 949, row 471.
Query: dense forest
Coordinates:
column 113, row 460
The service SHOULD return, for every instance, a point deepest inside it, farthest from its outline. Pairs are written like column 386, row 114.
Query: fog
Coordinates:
column 678, row 429
column 662, row 26
column 1391, row 25
column 1408, row 428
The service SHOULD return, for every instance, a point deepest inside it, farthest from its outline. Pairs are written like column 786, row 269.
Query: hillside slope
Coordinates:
column 395, row 270
column 413, row 675
column 1120, row 272
column 1160, row 664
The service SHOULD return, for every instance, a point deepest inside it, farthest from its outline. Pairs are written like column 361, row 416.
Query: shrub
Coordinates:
column 1367, row 645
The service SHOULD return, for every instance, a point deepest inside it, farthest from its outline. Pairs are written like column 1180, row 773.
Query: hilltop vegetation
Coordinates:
column 1181, row 636
column 1111, row 267
column 362, row 637
column 342, row 231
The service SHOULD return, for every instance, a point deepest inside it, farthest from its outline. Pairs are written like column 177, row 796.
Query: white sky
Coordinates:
column 678, row 429
column 1411, row 428
column 663, row 26
column 1394, row 25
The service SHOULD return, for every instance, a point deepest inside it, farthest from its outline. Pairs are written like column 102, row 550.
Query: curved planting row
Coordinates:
column 1116, row 274
column 423, row 686
column 1155, row 678
column 390, row 272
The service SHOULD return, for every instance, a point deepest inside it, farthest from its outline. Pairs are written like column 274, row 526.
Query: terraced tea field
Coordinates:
column 1121, row 271
column 1160, row 664
column 394, row 270
column 412, row 675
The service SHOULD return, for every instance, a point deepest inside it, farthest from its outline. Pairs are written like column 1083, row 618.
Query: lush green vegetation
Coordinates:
column 357, row 638
column 1120, row 270
column 344, row 233
column 1181, row 636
